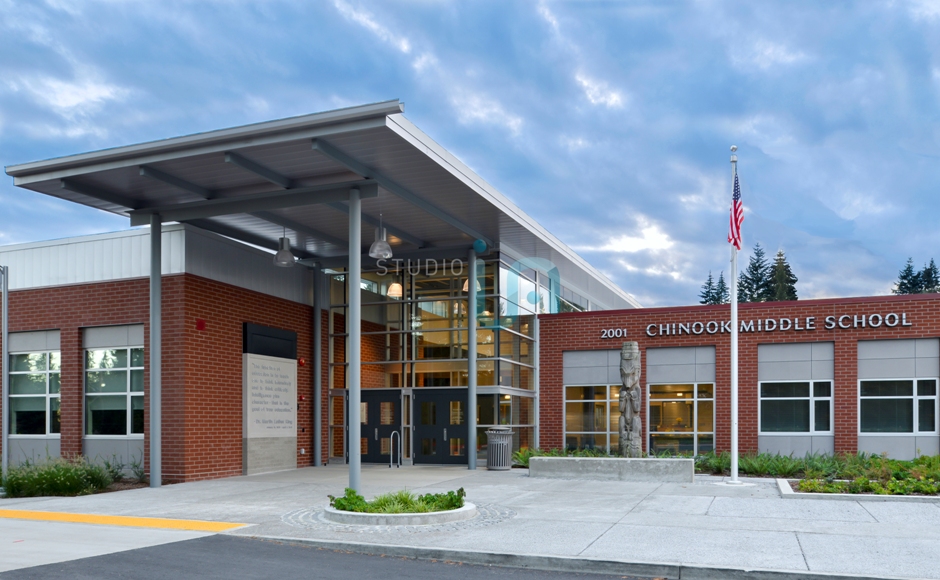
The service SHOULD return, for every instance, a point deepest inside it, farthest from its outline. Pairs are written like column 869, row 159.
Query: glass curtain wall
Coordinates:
column 414, row 335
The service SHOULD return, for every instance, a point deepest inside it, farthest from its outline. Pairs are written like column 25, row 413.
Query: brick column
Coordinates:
column 845, row 395
column 73, row 390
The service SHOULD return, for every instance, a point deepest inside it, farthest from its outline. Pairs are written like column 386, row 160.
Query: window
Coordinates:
column 681, row 418
column 591, row 417
column 796, row 407
column 898, row 406
column 114, row 391
column 34, row 393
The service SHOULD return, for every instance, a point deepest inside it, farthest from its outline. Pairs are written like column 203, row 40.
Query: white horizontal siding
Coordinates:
column 87, row 259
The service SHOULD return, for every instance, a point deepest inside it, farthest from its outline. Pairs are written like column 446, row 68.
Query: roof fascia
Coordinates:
column 294, row 128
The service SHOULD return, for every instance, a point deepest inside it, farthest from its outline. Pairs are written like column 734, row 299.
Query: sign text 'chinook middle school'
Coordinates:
column 834, row 322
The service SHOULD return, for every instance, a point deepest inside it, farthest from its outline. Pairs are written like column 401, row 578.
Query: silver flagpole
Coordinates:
column 734, row 339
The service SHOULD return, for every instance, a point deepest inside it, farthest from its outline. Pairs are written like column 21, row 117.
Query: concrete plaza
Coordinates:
column 697, row 530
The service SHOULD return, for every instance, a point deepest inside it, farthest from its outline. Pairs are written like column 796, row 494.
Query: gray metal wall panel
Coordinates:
column 585, row 375
column 87, row 259
column 705, row 373
column 585, row 358
column 671, row 356
column 887, row 368
column 823, row 351
column 885, row 349
column 822, row 370
column 33, row 449
column 127, row 450
column 795, row 361
column 34, row 341
column 113, row 336
column 785, row 371
column 670, row 374
column 926, row 368
column 223, row 260
column 784, row 352
column 705, row 355
column 897, row 447
column 927, row 445
column 927, row 347
column 796, row 445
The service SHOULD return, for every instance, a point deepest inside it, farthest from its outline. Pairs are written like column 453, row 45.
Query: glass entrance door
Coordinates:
column 380, row 414
column 440, row 426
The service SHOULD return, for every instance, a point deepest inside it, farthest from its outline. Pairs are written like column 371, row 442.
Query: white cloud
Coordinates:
column 650, row 238
column 575, row 143
column 598, row 92
column 425, row 61
column 924, row 9
column 766, row 54
column 366, row 20
column 479, row 108
column 68, row 98
column 850, row 205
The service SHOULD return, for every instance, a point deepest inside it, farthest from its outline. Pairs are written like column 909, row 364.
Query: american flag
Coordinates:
column 737, row 216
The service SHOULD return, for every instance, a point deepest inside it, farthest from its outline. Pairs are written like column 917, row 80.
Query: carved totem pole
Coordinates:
column 630, row 396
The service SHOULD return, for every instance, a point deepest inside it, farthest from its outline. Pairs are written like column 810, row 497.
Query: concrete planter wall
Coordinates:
column 652, row 470
column 343, row 517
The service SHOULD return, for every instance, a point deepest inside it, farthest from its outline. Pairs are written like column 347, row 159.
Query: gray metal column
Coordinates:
column 5, row 357
column 317, row 366
column 535, row 360
column 472, row 360
column 353, row 326
column 156, row 349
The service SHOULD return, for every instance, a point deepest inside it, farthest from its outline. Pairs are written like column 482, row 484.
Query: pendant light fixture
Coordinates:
column 380, row 250
column 394, row 290
column 283, row 257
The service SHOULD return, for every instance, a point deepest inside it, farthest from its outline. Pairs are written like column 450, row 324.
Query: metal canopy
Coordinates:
column 251, row 182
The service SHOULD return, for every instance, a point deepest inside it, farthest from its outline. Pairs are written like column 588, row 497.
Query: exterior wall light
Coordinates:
column 283, row 257
column 380, row 250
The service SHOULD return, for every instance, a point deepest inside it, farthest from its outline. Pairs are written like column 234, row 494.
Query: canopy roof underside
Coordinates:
column 293, row 174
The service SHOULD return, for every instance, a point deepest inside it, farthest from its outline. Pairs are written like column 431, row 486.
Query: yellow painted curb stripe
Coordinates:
column 134, row 522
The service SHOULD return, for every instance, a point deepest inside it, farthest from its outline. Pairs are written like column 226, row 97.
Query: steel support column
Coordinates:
column 156, row 349
column 353, row 333
column 472, row 360
column 535, row 359
column 317, row 366
column 5, row 357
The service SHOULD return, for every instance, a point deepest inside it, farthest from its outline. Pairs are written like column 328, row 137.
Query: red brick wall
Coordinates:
column 582, row 331
column 202, row 369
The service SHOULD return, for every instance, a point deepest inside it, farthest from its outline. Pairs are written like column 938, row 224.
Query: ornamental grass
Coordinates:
column 399, row 502
column 65, row 477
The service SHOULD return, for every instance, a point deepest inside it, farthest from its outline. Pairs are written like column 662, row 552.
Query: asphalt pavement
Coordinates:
column 227, row 557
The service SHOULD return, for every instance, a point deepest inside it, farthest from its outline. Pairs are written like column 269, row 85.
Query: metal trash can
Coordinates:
column 499, row 448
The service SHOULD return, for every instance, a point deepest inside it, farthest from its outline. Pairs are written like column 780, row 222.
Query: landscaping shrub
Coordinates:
column 55, row 477
column 399, row 502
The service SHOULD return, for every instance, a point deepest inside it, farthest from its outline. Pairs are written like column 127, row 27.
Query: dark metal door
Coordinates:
column 380, row 413
column 440, row 426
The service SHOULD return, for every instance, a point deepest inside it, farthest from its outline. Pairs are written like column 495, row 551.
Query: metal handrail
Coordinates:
column 391, row 454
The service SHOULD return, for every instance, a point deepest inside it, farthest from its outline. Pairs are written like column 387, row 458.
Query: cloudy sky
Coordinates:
column 608, row 122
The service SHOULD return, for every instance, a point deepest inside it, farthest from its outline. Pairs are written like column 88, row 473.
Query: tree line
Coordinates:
column 760, row 281
column 911, row 281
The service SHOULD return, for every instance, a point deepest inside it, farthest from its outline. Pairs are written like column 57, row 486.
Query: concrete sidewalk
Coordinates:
column 693, row 530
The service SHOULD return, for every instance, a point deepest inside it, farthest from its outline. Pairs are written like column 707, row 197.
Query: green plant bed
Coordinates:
column 819, row 473
column 55, row 477
column 399, row 502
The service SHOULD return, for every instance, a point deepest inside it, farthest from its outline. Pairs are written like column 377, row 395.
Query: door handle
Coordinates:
column 376, row 433
column 445, row 434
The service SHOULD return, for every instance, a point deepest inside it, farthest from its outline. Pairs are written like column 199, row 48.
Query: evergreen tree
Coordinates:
column 707, row 296
column 783, row 280
column 930, row 278
column 722, row 292
column 909, row 281
column 755, row 283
